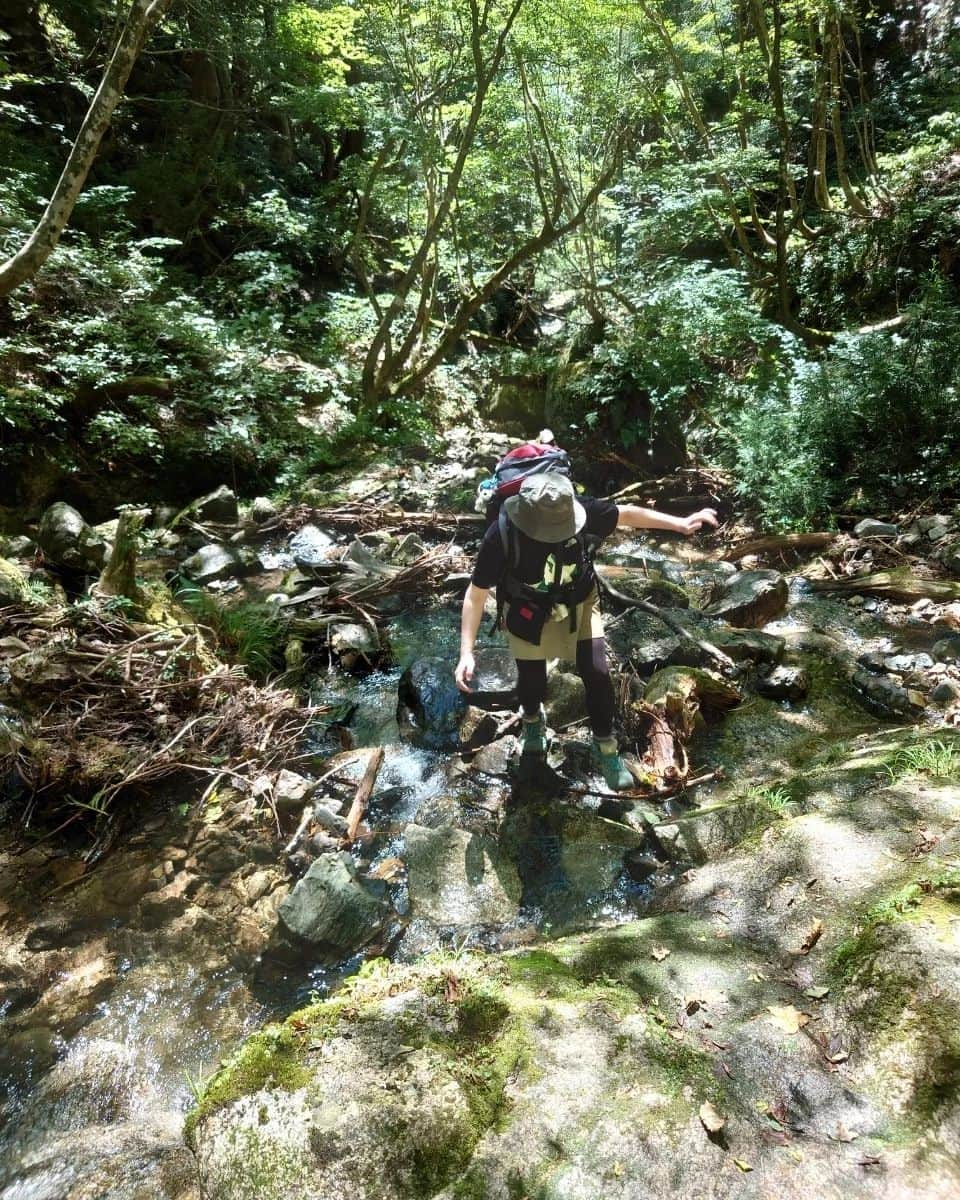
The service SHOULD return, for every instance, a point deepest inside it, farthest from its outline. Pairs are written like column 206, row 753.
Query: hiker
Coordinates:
column 538, row 556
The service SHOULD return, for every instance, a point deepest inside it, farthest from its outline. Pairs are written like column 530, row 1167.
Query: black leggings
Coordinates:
column 595, row 673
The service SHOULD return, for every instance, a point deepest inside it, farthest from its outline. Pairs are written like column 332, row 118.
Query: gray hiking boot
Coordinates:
column 615, row 774
column 533, row 740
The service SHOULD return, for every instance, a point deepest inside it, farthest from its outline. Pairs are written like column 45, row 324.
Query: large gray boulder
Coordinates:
column 459, row 878
column 68, row 541
column 330, row 909
column 430, row 705
column 214, row 562
column 751, row 599
column 219, row 506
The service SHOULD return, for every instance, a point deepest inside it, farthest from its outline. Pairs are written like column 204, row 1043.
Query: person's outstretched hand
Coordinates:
column 464, row 672
column 696, row 521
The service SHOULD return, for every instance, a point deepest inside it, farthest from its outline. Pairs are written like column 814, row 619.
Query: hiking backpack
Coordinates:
column 531, row 458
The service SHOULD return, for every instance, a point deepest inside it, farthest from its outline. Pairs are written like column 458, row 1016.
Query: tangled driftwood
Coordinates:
column 106, row 706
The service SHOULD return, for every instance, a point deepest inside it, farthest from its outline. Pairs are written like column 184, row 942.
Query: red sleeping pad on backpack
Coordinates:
column 529, row 459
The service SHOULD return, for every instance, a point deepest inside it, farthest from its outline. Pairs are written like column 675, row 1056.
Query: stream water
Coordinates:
column 117, row 1078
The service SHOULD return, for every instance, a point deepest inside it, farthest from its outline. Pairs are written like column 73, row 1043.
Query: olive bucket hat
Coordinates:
column 546, row 508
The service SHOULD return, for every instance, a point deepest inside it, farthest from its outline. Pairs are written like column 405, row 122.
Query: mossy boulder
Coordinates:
column 13, row 584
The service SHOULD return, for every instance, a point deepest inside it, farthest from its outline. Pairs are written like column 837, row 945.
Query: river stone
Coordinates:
column 263, row 509
column 13, row 584
column 353, row 640
column 430, row 705
column 68, row 541
column 495, row 681
column 885, row 697
column 947, row 649
column 751, row 599
column 311, row 546
column 945, row 692
column 291, row 791
column 459, row 878
column 784, row 683
column 329, row 908
column 219, row 506
column 870, row 527
column 215, row 561
column 566, row 699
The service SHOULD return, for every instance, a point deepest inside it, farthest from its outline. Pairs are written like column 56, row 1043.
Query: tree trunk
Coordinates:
column 144, row 14
column 119, row 576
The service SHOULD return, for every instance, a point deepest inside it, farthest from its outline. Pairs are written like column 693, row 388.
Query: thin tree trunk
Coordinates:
column 144, row 14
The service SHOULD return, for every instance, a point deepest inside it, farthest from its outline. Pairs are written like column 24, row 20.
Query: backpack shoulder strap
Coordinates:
column 508, row 540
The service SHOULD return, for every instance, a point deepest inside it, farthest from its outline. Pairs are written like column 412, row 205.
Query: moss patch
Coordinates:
column 271, row 1058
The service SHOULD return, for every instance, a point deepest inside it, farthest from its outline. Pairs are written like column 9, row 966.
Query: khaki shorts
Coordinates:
column 557, row 641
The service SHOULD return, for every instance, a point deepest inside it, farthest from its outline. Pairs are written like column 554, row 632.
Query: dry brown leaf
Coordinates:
column 659, row 952
column 710, row 1118
column 816, row 993
column 787, row 1018
column 813, row 936
column 390, row 868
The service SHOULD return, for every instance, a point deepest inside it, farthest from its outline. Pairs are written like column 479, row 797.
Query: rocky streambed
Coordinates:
column 512, row 986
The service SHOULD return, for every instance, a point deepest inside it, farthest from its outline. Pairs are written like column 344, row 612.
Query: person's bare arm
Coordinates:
column 471, row 616
column 632, row 516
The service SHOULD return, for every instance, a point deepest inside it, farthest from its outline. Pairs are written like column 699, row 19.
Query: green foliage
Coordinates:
column 937, row 758
column 252, row 634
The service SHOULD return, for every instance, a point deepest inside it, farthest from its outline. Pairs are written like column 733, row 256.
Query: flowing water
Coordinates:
column 129, row 1067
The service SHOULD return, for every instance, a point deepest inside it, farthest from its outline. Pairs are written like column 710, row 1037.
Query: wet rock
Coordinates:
column 430, row 705
column 354, row 640
column 477, row 729
column 215, row 562
column 263, row 510
column 751, row 599
column 13, row 584
column 459, row 878
column 68, row 541
column 145, row 1160
column 566, row 699
column 784, row 683
column 747, row 645
column 219, row 506
column 495, row 682
column 498, row 757
column 885, row 697
column 311, row 546
column 80, row 986
column 869, row 527
column 330, row 909
column 170, row 901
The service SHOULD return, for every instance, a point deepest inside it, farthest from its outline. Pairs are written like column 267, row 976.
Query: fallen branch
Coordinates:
column 708, row 648
column 905, row 588
column 362, row 797
column 787, row 543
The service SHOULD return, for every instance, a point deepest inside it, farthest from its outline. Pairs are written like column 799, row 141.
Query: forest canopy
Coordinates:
column 677, row 230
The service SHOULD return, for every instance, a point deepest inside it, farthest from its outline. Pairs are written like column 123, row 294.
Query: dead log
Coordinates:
column 362, row 797
column 784, row 544
column 119, row 576
column 893, row 585
column 672, row 704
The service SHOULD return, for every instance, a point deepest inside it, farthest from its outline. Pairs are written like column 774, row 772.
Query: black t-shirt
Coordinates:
column 537, row 566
